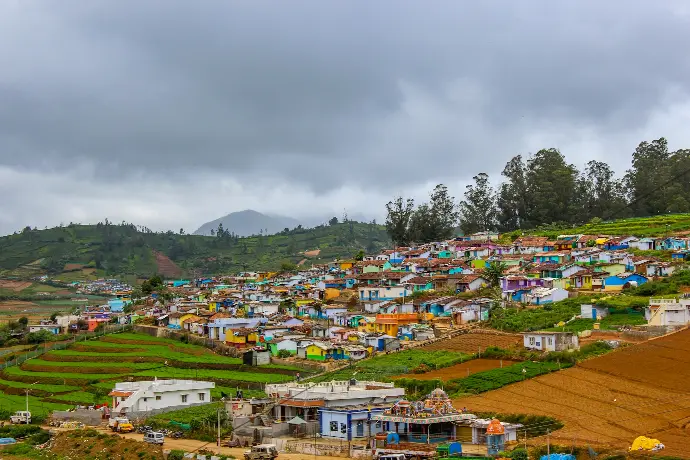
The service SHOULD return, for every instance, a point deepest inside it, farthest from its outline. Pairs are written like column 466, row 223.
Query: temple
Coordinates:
column 412, row 427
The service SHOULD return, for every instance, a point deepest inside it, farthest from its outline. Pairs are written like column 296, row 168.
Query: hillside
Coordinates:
column 248, row 223
column 606, row 402
column 124, row 250
column 637, row 226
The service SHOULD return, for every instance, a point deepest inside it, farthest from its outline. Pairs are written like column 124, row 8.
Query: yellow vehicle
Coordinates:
column 121, row 425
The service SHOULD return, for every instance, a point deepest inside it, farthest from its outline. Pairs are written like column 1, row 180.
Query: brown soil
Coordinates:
column 460, row 370
column 313, row 253
column 102, row 446
column 475, row 341
column 15, row 286
column 610, row 400
column 166, row 267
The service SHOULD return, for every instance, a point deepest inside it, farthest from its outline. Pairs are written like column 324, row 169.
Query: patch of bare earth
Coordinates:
column 166, row 267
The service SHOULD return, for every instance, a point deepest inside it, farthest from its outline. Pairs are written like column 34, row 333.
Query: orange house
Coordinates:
column 388, row 323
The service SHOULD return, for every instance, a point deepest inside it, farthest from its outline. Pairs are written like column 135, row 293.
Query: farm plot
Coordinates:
column 81, row 373
column 16, row 286
column 459, row 371
column 476, row 341
column 610, row 400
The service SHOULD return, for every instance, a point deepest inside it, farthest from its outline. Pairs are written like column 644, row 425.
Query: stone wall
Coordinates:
column 85, row 416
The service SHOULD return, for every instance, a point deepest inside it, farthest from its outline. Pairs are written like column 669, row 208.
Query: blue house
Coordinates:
column 116, row 305
column 618, row 282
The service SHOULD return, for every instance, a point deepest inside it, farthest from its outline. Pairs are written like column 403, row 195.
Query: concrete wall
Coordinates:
column 87, row 417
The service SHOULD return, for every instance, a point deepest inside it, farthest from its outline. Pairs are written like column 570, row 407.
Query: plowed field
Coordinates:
column 15, row 286
column 476, row 341
column 460, row 370
column 610, row 400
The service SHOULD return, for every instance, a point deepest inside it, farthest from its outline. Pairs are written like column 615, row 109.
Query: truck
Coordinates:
column 120, row 425
column 262, row 452
column 21, row 416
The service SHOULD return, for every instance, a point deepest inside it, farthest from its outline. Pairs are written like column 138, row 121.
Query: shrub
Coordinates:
column 284, row 354
column 176, row 455
column 421, row 369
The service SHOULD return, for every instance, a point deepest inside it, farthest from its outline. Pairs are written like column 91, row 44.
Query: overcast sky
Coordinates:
column 173, row 113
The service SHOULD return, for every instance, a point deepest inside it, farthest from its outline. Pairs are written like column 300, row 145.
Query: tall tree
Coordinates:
column 444, row 213
column 478, row 210
column 398, row 216
column 551, row 185
column 598, row 193
column 421, row 227
column 513, row 196
column 645, row 180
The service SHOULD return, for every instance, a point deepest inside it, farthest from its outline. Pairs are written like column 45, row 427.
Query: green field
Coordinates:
column 381, row 367
column 81, row 377
column 637, row 226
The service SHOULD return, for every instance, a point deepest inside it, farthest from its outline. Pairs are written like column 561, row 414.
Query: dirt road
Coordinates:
column 191, row 445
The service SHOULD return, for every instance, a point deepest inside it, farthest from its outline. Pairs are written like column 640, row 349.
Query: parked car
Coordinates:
column 262, row 452
column 21, row 416
column 154, row 437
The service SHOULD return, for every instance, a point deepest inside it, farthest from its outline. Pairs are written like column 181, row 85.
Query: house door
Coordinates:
column 360, row 429
column 543, row 343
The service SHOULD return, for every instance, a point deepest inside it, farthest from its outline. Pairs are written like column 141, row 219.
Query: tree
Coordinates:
column 333, row 221
column 551, row 186
column 494, row 272
column 288, row 266
column 478, row 210
column 597, row 193
column 360, row 255
column 23, row 322
column 646, row 181
column 444, row 213
column 420, row 227
column 398, row 216
column 513, row 198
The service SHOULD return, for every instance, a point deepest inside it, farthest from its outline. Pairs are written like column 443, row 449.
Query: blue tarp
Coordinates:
column 7, row 440
column 557, row 457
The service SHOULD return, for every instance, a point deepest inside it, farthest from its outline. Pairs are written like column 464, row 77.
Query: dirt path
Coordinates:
column 191, row 445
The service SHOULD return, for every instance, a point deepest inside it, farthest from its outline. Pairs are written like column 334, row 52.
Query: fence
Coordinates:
column 45, row 348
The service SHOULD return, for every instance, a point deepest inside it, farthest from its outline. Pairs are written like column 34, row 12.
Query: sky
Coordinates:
column 171, row 113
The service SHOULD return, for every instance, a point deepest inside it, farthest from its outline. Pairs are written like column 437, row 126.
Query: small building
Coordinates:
column 594, row 312
column 256, row 357
column 668, row 312
column 480, row 426
column 550, row 341
column 156, row 396
column 45, row 326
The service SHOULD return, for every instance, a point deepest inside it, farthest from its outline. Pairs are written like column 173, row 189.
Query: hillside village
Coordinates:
column 335, row 349
column 348, row 309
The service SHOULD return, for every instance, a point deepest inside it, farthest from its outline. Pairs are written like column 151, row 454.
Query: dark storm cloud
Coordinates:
column 295, row 89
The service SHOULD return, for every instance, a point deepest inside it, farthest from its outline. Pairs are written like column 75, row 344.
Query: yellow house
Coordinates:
column 366, row 325
column 300, row 302
column 213, row 306
column 241, row 338
column 346, row 264
column 331, row 293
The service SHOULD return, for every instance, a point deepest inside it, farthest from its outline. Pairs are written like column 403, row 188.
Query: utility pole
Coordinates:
column 548, row 444
column 219, row 427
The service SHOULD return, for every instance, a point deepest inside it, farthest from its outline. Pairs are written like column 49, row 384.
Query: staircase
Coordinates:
column 265, row 420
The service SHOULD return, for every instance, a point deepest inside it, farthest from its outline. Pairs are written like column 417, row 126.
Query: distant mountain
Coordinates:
column 249, row 222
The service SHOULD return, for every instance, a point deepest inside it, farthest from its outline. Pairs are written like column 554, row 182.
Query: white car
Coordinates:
column 154, row 437
column 21, row 416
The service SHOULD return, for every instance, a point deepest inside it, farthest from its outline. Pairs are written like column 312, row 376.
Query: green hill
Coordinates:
column 661, row 225
column 125, row 250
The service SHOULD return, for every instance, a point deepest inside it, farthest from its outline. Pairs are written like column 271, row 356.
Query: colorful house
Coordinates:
column 618, row 282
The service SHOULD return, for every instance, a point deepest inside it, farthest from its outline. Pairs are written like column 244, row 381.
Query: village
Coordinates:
column 354, row 357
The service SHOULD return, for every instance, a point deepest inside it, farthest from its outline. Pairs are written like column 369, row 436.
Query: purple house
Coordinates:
column 515, row 286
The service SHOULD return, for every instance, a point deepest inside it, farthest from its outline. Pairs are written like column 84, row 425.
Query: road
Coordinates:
column 192, row 445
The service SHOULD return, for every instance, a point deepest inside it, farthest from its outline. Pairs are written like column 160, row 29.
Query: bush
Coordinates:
column 284, row 354
column 176, row 455
column 421, row 369
column 519, row 454
column 39, row 438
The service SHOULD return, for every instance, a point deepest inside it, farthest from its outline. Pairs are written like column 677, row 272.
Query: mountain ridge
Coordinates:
column 249, row 222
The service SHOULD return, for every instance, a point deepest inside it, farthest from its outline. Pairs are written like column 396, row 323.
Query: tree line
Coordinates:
column 544, row 189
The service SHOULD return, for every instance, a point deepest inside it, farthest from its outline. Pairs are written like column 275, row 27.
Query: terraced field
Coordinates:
column 610, row 400
column 86, row 371
column 476, row 341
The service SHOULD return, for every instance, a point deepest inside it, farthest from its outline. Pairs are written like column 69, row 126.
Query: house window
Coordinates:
column 184, row 398
column 550, row 340
column 201, row 396
column 343, row 428
column 146, row 399
column 531, row 340
column 334, row 426
column 158, row 398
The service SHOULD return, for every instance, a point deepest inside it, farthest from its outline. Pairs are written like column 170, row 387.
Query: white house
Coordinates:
column 668, row 312
column 159, row 395
column 541, row 295
column 383, row 292
column 550, row 341
column 593, row 311
column 50, row 327
column 479, row 430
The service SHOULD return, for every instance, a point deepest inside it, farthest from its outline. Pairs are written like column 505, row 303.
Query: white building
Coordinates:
column 668, row 312
column 551, row 341
column 542, row 295
column 159, row 395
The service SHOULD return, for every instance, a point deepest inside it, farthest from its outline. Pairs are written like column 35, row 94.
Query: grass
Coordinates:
column 187, row 415
column 382, row 366
column 81, row 397
column 39, row 386
column 13, row 403
column 176, row 373
column 95, row 365
column 610, row 322
column 637, row 226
